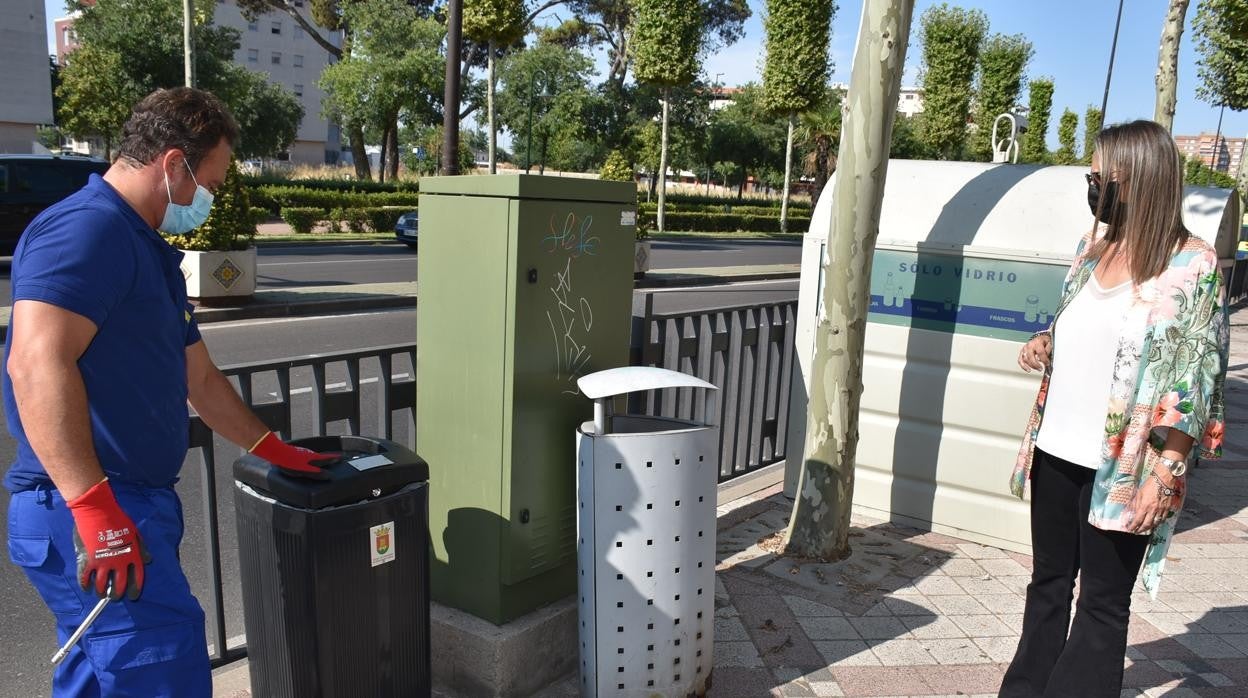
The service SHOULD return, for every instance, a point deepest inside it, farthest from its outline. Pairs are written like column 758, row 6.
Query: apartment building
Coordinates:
column 275, row 44
column 1217, row 151
column 26, row 81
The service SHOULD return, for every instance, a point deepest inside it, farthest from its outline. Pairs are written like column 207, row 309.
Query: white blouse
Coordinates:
column 1083, row 373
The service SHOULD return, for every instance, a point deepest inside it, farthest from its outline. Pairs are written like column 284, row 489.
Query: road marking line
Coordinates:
column 332, row 261
column 338, row 386
column 286, row 320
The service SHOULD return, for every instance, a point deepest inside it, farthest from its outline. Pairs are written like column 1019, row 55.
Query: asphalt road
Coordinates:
column 334, row 265
column 26, row 636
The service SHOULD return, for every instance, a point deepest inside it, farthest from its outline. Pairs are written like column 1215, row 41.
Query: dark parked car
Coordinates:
column 31, row 183
column 405, row 229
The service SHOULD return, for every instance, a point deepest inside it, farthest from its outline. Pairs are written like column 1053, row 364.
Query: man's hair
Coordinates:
column 190, row 120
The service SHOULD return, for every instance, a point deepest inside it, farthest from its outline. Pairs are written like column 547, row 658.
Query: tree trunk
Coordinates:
column 1168, row 64
column 363, row 170
column 489, row 105
column 393, row 156
column 667, row 97
column 741, row 185
column 819, row 527
column 823, row 145
column 788, row 175
column 385, row 151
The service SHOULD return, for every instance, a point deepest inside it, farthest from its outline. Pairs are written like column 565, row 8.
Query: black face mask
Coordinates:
column 1112, row 211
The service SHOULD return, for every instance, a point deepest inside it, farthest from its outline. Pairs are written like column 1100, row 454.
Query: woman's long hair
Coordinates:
column 1144, row 160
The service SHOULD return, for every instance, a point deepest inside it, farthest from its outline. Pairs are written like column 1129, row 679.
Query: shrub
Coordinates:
column 383, row 220
column 275, row 198
column 230, row 226
column 301, row 220
column 731, row 222
column 616, row 168
column 330, row 184
column 351, row 220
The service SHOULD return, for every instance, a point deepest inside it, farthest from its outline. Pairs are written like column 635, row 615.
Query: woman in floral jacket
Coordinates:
column 1134, row 364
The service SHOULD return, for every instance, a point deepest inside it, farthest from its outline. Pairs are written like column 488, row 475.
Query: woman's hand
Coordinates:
column 1035, row 354
column 1152, row 505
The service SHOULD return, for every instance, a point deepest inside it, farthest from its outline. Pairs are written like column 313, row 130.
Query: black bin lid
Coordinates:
column 371, row 465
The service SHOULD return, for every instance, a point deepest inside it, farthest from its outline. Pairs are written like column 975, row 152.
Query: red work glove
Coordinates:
column 107, row 544
column 293, row 460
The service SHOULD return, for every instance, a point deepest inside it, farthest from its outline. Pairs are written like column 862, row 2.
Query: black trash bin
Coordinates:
column 335, row 573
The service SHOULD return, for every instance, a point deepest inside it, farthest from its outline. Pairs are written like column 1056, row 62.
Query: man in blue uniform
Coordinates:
column 102, row 358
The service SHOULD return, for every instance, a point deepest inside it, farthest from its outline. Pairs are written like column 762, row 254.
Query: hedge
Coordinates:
column 301, row 220
column 276, row 198
column 344, row 185
column 354, row 220
column 724, row 208
column 704, row 200
column 730, row 222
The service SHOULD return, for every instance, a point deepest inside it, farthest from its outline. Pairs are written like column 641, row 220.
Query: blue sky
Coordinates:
column 1072, row 41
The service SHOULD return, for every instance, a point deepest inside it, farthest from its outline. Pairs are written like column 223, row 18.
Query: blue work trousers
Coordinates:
column 154, row 646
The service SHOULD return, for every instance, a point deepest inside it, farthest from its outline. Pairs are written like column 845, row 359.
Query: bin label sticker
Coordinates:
column 1001, row 299
column 381, row 543
column 369, row 462
column 628, row 218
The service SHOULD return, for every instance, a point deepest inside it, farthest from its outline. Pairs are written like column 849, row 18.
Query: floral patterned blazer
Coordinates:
column 1169, row 373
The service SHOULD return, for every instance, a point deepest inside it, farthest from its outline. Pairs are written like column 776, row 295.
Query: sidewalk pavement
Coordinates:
column 914, row 613
column 345, row 298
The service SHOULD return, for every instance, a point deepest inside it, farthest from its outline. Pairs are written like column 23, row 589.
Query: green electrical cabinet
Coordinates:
column 525, row 285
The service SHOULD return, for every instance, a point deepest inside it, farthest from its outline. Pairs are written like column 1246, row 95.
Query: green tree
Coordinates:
column 1167, row 79
column 1002, row 65
column 819, row 132
column 554, row 83
column 667, row 41
column 129, row 48
column 819, row 526
column 1035, row 147
column 1198, row 174
column 497, row 24
column 951, row 38
column 795, row 72
column 1067, row 128
column 395, row 68
column 1091, row 127
column 1221, row 28
column 907, row 141
column 748, row 135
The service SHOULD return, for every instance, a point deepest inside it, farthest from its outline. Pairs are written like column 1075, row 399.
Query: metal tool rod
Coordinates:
column 86, row 624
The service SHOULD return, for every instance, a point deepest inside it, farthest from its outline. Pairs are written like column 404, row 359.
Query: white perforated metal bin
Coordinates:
column 645, row 491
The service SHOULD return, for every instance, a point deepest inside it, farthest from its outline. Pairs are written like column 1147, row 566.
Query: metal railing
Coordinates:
column 330, row 403
column 747, row 352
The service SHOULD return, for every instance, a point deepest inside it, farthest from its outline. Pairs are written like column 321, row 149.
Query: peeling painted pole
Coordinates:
column 819, row 527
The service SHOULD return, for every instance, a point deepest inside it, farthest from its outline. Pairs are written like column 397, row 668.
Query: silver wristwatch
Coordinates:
column 1177, row 468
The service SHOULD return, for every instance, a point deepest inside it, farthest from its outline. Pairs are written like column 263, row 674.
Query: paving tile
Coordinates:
column 878, row 628
column 983, row 626
column 959, row 567
column 1208, row 646
column 743, row 654
column 979, row 586
column 805, row 607
column 741, row 682
column 1169, row 623
column 1234, row 669
column 828, row 629
column 1013, row 621
column 730, row 630
column 902, row 652
column 963, row 651
column 1145, row 674
column 959, row 605
column 877, row 611
column 937, row 585
column 1000, row 649
column 1002, row 603
column 1165, row 648
column 880, row 681
column 1222, row 622
column 975, row 551
column 933, row 628
column 1016, row 583
column 1217, row 680
column 1004, row 567
column 1238, row 641
column 826, row 689
column 917, row 605
column 838, row 653
column 961, row 680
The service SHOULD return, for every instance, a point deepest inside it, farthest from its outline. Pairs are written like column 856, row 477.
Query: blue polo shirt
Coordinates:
column 93, row 255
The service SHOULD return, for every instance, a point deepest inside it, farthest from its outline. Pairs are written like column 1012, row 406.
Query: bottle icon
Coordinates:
column 1031, row 312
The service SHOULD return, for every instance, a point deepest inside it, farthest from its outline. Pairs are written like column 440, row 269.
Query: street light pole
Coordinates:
column 528, row 148
column 450, row 102
column 714, row 91
column 1110, row 72
column 188, row 42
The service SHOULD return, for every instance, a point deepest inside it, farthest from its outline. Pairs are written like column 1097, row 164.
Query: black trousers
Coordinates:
column 1089, row 661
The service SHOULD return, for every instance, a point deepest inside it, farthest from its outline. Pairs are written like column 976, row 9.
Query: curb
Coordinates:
column 659, row 280
column 323, row 243
column 322, row 307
